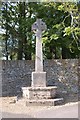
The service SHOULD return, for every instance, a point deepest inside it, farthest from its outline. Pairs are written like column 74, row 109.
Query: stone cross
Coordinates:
column 38, row 27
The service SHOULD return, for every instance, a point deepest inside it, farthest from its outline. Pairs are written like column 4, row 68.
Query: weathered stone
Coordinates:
column 38, row 79
column 44, row 102
column 39, row 92
column 38, row 89
column 53, row 70
column 0, row 78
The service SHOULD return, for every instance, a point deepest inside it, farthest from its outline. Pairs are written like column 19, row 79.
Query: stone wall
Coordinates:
column 61, row 72
column 0, row 78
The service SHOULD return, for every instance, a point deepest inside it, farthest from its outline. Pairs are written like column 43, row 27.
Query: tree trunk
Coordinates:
column 64, row 54
column 6, row 46
column 27, row 47
column 20, row 50
column 20, row 40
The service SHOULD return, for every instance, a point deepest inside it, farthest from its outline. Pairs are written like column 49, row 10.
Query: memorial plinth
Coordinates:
column 38, row 79
column 38, row 93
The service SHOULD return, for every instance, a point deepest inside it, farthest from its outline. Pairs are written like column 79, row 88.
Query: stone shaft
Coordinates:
column 39, row 54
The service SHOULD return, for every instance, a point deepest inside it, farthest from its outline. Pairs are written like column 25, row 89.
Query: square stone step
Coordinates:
column 45, row 102
column 39, row 92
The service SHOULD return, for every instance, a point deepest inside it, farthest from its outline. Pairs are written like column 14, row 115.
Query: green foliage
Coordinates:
column 61, row 40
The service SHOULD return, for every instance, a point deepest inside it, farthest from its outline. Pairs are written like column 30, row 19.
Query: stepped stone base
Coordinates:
column 44, row 102
column 41, row 102
column 41, row 96
column 39, row 92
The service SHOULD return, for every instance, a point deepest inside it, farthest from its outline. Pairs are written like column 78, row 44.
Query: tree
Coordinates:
column 61, row 40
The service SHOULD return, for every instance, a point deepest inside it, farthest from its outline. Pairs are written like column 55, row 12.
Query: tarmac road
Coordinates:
column 11, row 115
column 62, row 112
column 70, row 111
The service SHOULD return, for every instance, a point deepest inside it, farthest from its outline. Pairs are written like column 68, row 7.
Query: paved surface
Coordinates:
column 62, row 112
column 11, row 115
column 70, row 111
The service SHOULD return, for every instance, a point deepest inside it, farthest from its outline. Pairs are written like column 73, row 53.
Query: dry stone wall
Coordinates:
column 0, row 78
column 61, row 72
